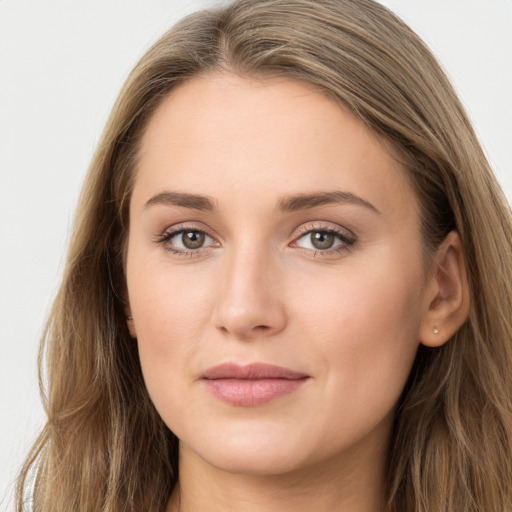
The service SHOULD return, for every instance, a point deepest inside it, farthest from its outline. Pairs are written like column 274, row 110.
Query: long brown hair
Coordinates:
column 104, row 447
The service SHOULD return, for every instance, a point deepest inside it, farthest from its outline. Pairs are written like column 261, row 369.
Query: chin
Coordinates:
column 255, row 462
column 246, row 454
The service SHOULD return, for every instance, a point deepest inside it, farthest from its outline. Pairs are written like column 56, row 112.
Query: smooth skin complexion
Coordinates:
column 268, row 226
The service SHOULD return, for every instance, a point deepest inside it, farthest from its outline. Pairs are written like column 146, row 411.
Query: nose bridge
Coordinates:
column 250, row 301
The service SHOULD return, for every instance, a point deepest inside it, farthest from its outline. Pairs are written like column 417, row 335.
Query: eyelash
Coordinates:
column 347, row 239
column 168, row 235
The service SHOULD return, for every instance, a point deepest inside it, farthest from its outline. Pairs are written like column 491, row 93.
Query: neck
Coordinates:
column 355, row 484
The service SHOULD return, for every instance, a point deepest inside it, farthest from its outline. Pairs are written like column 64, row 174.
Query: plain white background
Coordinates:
column 61, row 66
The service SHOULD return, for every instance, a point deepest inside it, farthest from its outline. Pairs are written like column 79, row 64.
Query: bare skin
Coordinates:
column 268, row 225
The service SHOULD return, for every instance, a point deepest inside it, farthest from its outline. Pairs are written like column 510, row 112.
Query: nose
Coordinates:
column 250, row 303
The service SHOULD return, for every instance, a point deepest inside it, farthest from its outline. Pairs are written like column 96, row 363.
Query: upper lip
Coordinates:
column 254, row 371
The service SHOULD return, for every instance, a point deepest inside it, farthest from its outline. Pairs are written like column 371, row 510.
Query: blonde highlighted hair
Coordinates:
column 104, row 447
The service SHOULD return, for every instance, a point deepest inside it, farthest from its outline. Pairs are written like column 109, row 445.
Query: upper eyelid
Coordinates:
column 331, row 228
column 186, row 226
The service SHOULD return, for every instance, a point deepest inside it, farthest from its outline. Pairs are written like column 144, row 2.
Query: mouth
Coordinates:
column 251, row 385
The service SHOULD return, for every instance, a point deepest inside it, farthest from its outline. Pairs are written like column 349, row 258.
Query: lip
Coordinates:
column 253, row 384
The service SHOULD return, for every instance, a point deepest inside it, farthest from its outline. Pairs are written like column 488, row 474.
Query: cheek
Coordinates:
column 364, row 324
column 169, row 306
column 170, row 309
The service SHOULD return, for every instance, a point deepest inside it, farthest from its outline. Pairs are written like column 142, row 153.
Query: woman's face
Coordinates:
column 275, row 275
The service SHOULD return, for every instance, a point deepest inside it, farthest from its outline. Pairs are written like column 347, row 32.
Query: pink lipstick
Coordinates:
column 251, row 385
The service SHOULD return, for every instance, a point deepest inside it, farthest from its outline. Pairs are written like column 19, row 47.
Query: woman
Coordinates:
column 289, row 282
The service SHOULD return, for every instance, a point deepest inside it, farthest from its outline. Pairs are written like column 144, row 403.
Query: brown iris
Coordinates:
column 322, row 240
column 192, row 239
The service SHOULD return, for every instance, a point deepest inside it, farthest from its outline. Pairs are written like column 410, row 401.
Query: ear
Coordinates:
column 128, row 315
column 447, row 301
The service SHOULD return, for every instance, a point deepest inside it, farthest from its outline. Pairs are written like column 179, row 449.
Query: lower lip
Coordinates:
column 251, row 393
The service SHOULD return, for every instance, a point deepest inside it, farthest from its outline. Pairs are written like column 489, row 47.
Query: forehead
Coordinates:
column 222, row 132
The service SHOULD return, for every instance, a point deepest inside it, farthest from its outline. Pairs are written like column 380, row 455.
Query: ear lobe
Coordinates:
column 448, row 298
column 131, row 327
column 129, row 318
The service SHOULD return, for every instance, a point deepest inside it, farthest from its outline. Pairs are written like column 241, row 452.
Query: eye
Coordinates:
column 325, row 239
column 185, row 241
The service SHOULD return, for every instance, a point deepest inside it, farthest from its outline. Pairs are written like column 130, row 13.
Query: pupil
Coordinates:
column 322, row 240
column 192, row 239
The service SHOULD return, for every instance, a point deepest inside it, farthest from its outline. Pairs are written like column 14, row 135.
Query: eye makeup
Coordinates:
column 322, row 240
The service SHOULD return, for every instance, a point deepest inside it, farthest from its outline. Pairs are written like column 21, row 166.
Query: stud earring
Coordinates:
column 129, row 318
column 436, row 330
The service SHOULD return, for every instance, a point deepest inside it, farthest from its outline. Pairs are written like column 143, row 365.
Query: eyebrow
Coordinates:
column 192, row 201
column 306, row 201
column 287, row 204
